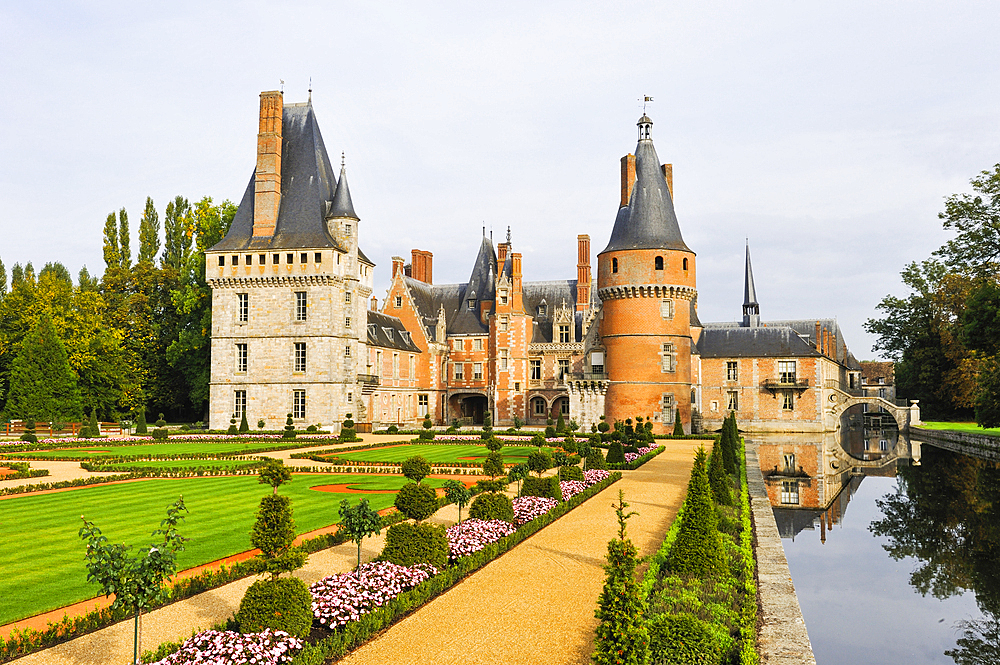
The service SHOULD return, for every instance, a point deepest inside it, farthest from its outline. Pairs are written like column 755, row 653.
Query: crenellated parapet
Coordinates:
column 647, row 291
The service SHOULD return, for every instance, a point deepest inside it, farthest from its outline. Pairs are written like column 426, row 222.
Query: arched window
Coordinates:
column 614, row 265
column 685, row 264
column 564, row 405
column 538, row 407
column 658, row 263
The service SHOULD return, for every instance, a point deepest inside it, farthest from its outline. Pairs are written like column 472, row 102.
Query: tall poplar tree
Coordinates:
column 3, row 280
column 149, row 233
column 124, row 240
column 43, row 386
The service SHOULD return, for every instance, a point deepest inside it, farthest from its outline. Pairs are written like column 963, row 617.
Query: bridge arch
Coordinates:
column 840, row 401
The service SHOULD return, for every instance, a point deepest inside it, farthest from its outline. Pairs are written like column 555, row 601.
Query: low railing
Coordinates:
column 779, row 384
column 588, row 376
column 368, row 378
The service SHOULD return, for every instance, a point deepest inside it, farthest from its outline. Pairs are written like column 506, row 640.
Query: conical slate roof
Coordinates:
column 482, row 281
column 749, row 292
column 342, row 205
column 648, row 221
column 308, row 182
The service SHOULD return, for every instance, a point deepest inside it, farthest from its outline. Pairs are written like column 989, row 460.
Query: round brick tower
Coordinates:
column 646, row 283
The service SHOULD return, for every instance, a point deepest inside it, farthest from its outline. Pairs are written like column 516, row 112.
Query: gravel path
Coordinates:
column 534, row 603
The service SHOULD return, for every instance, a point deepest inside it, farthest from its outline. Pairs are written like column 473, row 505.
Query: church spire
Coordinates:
column 751, row 310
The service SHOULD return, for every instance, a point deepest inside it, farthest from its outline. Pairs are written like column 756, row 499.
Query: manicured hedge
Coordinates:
column 22, row 470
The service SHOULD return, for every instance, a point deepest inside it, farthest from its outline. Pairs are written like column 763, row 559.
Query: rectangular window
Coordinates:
column 347, row 322
column 319, row 257
column 536, row 370
column 243, row 303
column 299, row 404
column 732, row 370
column 477, row 372
column 347, row 297
column 289, row 258
column 235, row 260
column 788, row 400
column 668, row 358
column 460, row 345
column 300, row 305
column 503, row 296
column 502, row 325
column 790, row 492
column 241, row 358
column 517, row 386
column 249, row 259
column 303, row 257
column 478, row 344
column 538, row 406
column 239, row 403
column 350, row 398
column 262, row 259
column 503, row 359
column 347, row 351
column 276, row 259
column 786, row 371
column 399, row 301
column 563, row 368
column 222, row 260
column 564, row 406
column 597, row 362
column 413, row 367
column 732, row 400
column 563, row 334
column 788, row 459
column 668, row 408
column 667, row 309
column 395, row 365
column 459, row 371
column 423, row 404
column 300, row 356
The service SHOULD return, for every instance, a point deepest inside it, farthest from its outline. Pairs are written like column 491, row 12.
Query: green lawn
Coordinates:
column 960, row 427
column 438, row 453
column 42, row 557
column 177, row 463
column 96, row 449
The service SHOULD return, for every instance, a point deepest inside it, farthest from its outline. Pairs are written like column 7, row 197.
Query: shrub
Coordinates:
column 289, row 432
column 244, row 425
column 311, row 428
column 140, row 422
column 392, row 429
column 570, row 445
column 416, row 468
column 160, row 434
column 539, row 462
column 548, row 486
column 616, row 454
column 538, row 439
column 160, row 422
column 487, row 425
column 493, row 466
column 678, row 426
column 232, row 427
column 550, row 432
column 409, row 544
column 347, row 431
column 417, row 502
column 279, row 604
column 718, row 478
column 427, row 434
column 595, row 459
column 29, row 431
column 603, row 426
column 697, row 549
column 261, row 423
column 518, row 423
column 273, row 533
column 493, row 444
column 492, row 506
column 680, row 639
column 570, row 473
column 95, row 429
column 84, row 432
column 560, row 424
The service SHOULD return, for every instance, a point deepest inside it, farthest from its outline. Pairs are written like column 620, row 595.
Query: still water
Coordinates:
column 893, row 546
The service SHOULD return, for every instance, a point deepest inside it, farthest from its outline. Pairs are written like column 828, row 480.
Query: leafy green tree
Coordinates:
column 178, row 227
column 274, row 473
column 416, row 501
column 273, row 534
column 616, row 453
column 359, row 522
column 988, row 399
column 976, row 217
column 43, row 385
column 416, row 468
column 458, row 494
column 560, row 424
column 622, row 638
column 3, row 280
column 539, row 462
column 516, row 474
column 136, row 581
column 697, row 549
column 149, row 234
column 493, row 465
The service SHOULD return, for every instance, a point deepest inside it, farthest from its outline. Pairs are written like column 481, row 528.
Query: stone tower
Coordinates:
column 646, row 283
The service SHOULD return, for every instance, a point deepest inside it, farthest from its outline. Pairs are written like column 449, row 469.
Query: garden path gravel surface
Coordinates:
column 536, row 603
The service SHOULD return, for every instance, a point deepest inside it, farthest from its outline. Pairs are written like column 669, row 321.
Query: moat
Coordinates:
column 893, row 545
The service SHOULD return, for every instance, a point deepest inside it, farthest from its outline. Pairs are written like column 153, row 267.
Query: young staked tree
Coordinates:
column 136, row 581
column 622, row 638
column 359, row 522
column 42, row 383
column 697, row 550
column 274, row 530
column 458, row 494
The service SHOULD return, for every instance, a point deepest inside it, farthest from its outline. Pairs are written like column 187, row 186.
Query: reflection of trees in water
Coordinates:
column 946, row 514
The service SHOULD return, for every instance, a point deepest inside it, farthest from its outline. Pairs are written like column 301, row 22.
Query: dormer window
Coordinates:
column 503, row 296
column 472, row 303
column 388, row 333
column 542, row 309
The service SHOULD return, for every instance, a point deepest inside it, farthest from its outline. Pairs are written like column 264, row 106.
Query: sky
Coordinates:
column 828, row 135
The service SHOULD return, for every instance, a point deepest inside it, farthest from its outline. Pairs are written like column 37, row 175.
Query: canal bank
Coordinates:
column 782, row 638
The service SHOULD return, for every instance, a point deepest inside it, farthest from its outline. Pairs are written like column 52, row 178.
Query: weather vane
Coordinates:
column 645, row 100
column 310, row 89
column 282, row 85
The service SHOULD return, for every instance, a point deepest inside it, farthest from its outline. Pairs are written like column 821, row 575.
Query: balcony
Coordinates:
column 369, row 382
column 785, row 383
column 588, row 376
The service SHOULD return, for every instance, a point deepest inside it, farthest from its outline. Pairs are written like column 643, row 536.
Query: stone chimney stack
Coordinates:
column 583, row 273
column 668, row 175
column 374, row 304
column 628, row 177
column 267, row 179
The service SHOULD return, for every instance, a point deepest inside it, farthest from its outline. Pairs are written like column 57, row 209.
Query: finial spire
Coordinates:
column 508, row 234
column 343, row 161
column 310, row 90
column 751, row 309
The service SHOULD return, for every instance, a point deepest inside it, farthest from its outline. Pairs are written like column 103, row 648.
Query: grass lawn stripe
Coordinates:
column 960, row 427
column 43, row 560
column 177, row 464
column 96, row 449
column 447, row 454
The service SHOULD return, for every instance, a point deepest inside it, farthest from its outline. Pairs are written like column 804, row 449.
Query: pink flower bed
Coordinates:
column 571, row 488
column 631, row 457
column 594, row 476
column 527, row 508
column 473, row 535
column 216, row 646
column 340, row 598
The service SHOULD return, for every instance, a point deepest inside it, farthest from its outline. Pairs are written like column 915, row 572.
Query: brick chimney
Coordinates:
column 420, row 265
column 397, row 266
column 502, row 249
column 267, row 180
column 819, row 338
column 668, row 175
column 583, row 273
column 628, row 177
column 374, row 304
column 516, row 302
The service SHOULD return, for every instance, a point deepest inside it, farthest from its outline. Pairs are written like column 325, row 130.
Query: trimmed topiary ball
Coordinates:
column 283, row 603
column 409, row 544
column 417, row 502
column 616, row 454
column 492, row 507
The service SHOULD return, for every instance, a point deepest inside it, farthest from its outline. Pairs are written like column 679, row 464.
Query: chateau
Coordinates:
column 295, row 328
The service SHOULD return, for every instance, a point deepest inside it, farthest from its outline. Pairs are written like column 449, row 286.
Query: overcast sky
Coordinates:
column 828, row 134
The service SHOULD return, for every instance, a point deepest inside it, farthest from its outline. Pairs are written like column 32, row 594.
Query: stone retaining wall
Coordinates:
column 783, row 639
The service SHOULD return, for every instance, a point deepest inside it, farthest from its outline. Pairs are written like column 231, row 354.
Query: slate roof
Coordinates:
column 308, row 185
column 740, row 342
column 649, row 220
column 388, row 332
column 798, row 327
column 695, row 321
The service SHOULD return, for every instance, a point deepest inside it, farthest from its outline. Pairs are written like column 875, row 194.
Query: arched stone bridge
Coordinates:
column 840, row 401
